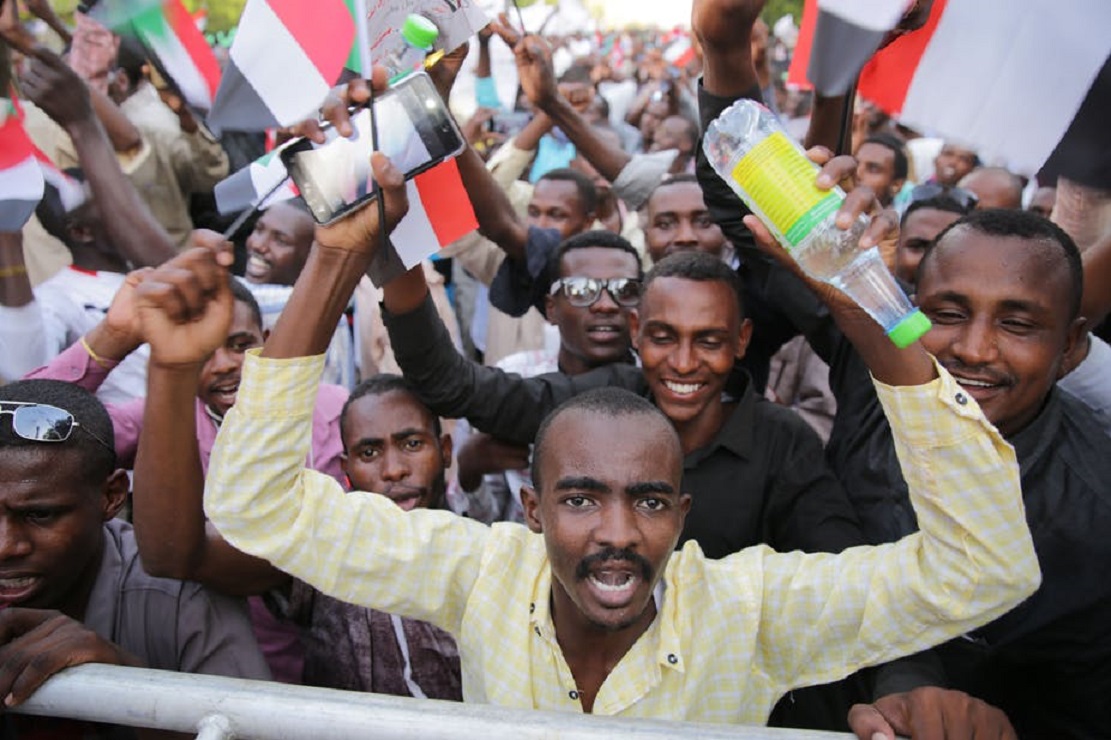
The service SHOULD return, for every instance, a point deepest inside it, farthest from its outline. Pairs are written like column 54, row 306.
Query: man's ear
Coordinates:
column 684, row 503
column 265, row 335
column 116, row 489
column 1076, row 347
column 744, row 338
column 896, row 186
column 634, row 328
column 549, row 309
column 530, row 502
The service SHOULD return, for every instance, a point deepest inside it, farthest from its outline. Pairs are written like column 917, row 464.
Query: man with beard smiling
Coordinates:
column 588, row 609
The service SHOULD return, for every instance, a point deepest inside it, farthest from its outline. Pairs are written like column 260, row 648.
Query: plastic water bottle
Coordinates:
column 772, row 175
column 418, row 35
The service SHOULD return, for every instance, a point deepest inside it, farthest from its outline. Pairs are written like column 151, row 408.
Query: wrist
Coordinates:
column 107, row 343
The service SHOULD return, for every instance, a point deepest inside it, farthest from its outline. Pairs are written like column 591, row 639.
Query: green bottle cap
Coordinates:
column 419, row 31
column 909, row 330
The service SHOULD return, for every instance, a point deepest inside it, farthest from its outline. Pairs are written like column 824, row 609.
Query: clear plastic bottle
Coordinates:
column 772, row 175
column 413, row 45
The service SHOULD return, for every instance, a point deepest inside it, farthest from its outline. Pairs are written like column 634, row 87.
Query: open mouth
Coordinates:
column 604, row 333
column 683, row 389
column 15, row 590
column 979, row 388
column 406, row 498
column 614, row 587
column 225, row 393
column 257, row 266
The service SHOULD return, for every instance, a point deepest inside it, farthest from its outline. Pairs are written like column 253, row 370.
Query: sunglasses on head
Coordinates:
column 966, row 199
column 582, row 292
column 40, row 422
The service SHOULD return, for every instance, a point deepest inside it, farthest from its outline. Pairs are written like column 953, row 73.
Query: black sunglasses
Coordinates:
column 966, row 199
column 40, row 422
column 582, row 292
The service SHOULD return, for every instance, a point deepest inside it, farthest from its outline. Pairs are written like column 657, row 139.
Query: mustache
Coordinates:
column 957, row 367
column 582, row 570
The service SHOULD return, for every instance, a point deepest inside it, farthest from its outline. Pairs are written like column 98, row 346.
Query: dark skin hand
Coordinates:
column 930, row 713
column 483, row 454
column 37, row 643
column 62, row 95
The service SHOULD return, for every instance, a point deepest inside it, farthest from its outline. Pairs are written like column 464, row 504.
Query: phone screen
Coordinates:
column 414, row 130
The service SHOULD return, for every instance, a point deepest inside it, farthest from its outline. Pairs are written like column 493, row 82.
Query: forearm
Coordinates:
column 529, row 137
column 497, row 220
column 1097, row 281
column 123, row 135
column 483, row 67
column 15, row 285
column 972, row 561
column 138, row 237
column 825, row 124
column 168, row 486
column 609, row 161
column 357, row 547
column 321, row 295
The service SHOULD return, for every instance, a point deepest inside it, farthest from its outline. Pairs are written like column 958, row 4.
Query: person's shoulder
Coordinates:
column 135, row 582
column 773, row 421
column 1082, row 441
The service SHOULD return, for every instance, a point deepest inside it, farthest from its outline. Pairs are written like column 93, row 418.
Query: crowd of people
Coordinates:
column 613, row 452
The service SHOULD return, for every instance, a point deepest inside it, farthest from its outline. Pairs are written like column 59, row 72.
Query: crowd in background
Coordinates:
column 612, row 311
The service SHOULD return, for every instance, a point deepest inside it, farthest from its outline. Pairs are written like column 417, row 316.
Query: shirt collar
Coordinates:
column 1034, row 440
column 667, row 650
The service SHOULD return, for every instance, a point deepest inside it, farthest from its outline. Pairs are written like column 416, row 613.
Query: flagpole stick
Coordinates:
column 520, row 17
column 241, row 219
column 362, row 34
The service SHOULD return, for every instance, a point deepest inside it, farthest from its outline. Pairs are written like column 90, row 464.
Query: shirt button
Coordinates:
column 672, row 658
column 531, row 608
column 962, row 399
column 574, row 695
column 537, row 631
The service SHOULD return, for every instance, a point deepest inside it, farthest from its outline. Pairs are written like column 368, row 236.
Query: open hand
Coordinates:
column 37, row 643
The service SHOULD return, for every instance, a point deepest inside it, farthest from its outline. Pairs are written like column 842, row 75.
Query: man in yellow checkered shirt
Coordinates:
column 588, row 609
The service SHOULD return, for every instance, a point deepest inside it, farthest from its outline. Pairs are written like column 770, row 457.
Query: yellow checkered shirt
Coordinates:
column 731, row 636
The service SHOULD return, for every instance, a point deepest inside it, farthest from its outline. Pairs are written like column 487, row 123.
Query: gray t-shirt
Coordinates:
column 167, row 624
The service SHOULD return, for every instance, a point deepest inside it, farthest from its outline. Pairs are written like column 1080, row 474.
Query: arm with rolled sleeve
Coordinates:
column 972, row 560
column 357, row 547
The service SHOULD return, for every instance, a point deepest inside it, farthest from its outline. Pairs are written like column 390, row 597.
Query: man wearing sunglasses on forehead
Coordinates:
column 72, row 589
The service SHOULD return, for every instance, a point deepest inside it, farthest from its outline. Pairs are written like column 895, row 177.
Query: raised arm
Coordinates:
column 499, row 403
column 174, row 539
column 534, row 68
column 57, row 89
column 357, row 547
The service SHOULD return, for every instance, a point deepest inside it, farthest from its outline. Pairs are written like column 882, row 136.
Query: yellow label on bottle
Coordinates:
column 780, row 181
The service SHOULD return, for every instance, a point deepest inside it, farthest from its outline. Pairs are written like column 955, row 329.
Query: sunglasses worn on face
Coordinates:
column 40, row 422
column 582, row 292
column 966, row 199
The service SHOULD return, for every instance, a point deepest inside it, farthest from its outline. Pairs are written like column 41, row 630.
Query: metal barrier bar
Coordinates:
column 218, row 708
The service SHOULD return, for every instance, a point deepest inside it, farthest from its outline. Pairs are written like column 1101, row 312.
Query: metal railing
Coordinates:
column 218, row 708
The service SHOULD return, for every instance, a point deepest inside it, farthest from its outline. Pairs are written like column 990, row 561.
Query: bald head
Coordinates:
column 995, row 187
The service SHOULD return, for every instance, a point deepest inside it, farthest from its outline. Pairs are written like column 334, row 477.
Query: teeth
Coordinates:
column 614, row 582
column 683, row 389
column 975, row 383
column 257, row 262
column 16, row 582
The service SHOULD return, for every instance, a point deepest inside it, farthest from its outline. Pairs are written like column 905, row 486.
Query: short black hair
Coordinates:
column 898, row 148
column 241, row 293
column 700, row 267
column 588, row 194
column 937, row 203
column 577, row 73
column 683, row 178
column 380, row 385
column 99, row 460
column 593, row 239
column 1008, row 222
column 609, row 402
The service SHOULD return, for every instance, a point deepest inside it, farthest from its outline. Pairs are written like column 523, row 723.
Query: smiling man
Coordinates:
column 755, row 470
column 279, row 244
column 1003, row 290
column 588, row 609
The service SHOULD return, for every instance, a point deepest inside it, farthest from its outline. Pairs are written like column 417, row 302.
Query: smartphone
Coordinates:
column 415, row 130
